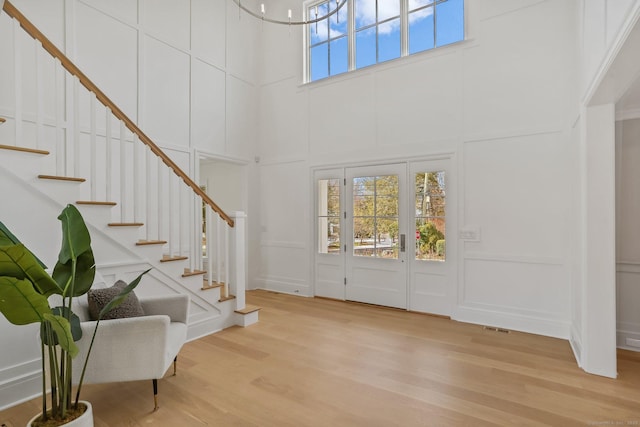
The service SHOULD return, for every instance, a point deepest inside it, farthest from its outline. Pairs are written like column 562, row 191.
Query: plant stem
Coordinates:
column 86, row 360
column 44, row 380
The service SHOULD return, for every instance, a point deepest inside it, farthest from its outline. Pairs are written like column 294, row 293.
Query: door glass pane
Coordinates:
column 329, row 216
column 375, row 216
column 430, row 216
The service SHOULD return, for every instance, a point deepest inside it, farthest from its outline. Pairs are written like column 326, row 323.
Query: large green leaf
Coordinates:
column 18, row 262
column 20, row 303
column 7, row 238
column 76, row 247
column 122, row 295
column 75, row 235
column 85, row 273
column 62, row 330
column 76, row 330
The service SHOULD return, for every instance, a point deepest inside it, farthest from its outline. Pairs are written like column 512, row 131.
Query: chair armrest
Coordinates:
column 124, row 349
column 174, row 306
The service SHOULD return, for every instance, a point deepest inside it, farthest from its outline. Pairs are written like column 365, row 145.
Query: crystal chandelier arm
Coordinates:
column 289, row 22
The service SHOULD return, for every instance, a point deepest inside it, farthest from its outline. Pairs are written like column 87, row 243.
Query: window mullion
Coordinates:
column 404, row 28
column 351, row 34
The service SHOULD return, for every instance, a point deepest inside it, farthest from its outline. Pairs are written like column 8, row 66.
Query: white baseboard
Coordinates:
column 575, row 340
column 284, row 285
column 513, row 321
column 621, row 337
column 20, row 383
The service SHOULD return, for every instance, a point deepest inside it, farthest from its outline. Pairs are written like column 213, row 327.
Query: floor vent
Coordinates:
column 491, row 328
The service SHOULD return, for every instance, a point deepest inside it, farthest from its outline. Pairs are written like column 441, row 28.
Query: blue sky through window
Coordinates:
column 377, row 32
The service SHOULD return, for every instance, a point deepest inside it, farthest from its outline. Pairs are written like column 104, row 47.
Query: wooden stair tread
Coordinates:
column 189, row 273
column 125, row 224
column 230, row 297
column 61, row 178
column 173, row 258
column 150, row 242
column 94, row 203
column 213, row 285
column 23, row 149
column 248, row 309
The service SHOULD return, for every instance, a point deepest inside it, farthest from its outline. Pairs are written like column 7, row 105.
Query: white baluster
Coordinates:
column 17, row 72
column 160, row 198
column 136, row 178
column 218, row 250
column 226, row 258
column 171, row 215
column 92, row 144
column 76, row 127
column 147, row 159
column 209, row 237
column 181, row 206
column 195, row 234
column 39, row 97
column 123, row 172
column 108, row 156
column 59, row 108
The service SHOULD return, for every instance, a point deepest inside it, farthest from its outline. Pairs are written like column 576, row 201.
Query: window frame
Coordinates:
column 351, row 34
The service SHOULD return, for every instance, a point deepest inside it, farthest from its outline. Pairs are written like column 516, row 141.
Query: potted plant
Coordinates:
column 25, row 288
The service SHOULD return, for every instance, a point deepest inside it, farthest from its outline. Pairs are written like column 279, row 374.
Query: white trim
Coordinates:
column 575, row 340
column 533, row 323
column 285, row 285
column 283, row 244
column 520, row 259
column 628, row 114
column 384, row 161
column 612, row 53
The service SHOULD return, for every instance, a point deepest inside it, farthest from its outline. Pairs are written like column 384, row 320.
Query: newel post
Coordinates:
column 238, row 263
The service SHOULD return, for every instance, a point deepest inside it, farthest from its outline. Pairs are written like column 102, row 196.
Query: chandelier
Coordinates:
column 314, row 20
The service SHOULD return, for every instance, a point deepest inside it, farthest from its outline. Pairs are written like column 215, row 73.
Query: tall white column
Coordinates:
column 239, row 260
column 599, row 254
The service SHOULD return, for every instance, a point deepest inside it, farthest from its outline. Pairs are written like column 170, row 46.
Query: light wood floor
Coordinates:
column 315, row 362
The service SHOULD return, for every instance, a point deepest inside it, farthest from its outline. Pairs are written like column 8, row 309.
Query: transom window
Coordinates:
column 367, row 32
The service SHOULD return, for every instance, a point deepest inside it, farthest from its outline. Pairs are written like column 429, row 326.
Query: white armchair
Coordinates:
column 134, row 348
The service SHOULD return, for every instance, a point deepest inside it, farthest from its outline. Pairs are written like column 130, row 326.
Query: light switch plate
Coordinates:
column 470, row 233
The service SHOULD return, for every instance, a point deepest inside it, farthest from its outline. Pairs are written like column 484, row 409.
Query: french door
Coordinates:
column 376, row 249
column 381, row 235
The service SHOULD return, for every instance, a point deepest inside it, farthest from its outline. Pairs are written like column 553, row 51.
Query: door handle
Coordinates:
column 402, row 242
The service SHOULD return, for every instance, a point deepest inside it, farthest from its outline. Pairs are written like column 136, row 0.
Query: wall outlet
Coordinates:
column 631, row 342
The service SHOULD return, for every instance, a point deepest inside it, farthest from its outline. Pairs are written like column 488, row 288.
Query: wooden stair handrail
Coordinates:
column 31, row 29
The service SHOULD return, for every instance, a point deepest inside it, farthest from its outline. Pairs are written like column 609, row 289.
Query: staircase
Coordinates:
column 142, row 209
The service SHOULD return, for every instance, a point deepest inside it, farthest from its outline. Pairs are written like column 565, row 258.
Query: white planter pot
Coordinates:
column 84, row 420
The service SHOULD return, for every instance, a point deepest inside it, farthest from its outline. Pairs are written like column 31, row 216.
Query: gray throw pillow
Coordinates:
column 98, row 298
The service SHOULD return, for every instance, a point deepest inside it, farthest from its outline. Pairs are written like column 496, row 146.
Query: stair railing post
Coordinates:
column 238, row 259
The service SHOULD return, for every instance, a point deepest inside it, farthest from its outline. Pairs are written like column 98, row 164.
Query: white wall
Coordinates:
column 627, row 230
column 603, row 22
column 185, row 71
column 226, row 184
column 504, row 101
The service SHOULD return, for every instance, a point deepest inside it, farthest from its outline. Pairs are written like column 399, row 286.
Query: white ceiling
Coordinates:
column 631, row 99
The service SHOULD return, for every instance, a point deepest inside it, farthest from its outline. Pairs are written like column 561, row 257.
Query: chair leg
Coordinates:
column 174, row 365
column 155, row 395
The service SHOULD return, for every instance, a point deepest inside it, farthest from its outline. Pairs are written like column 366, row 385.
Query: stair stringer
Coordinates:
column 205, row 317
